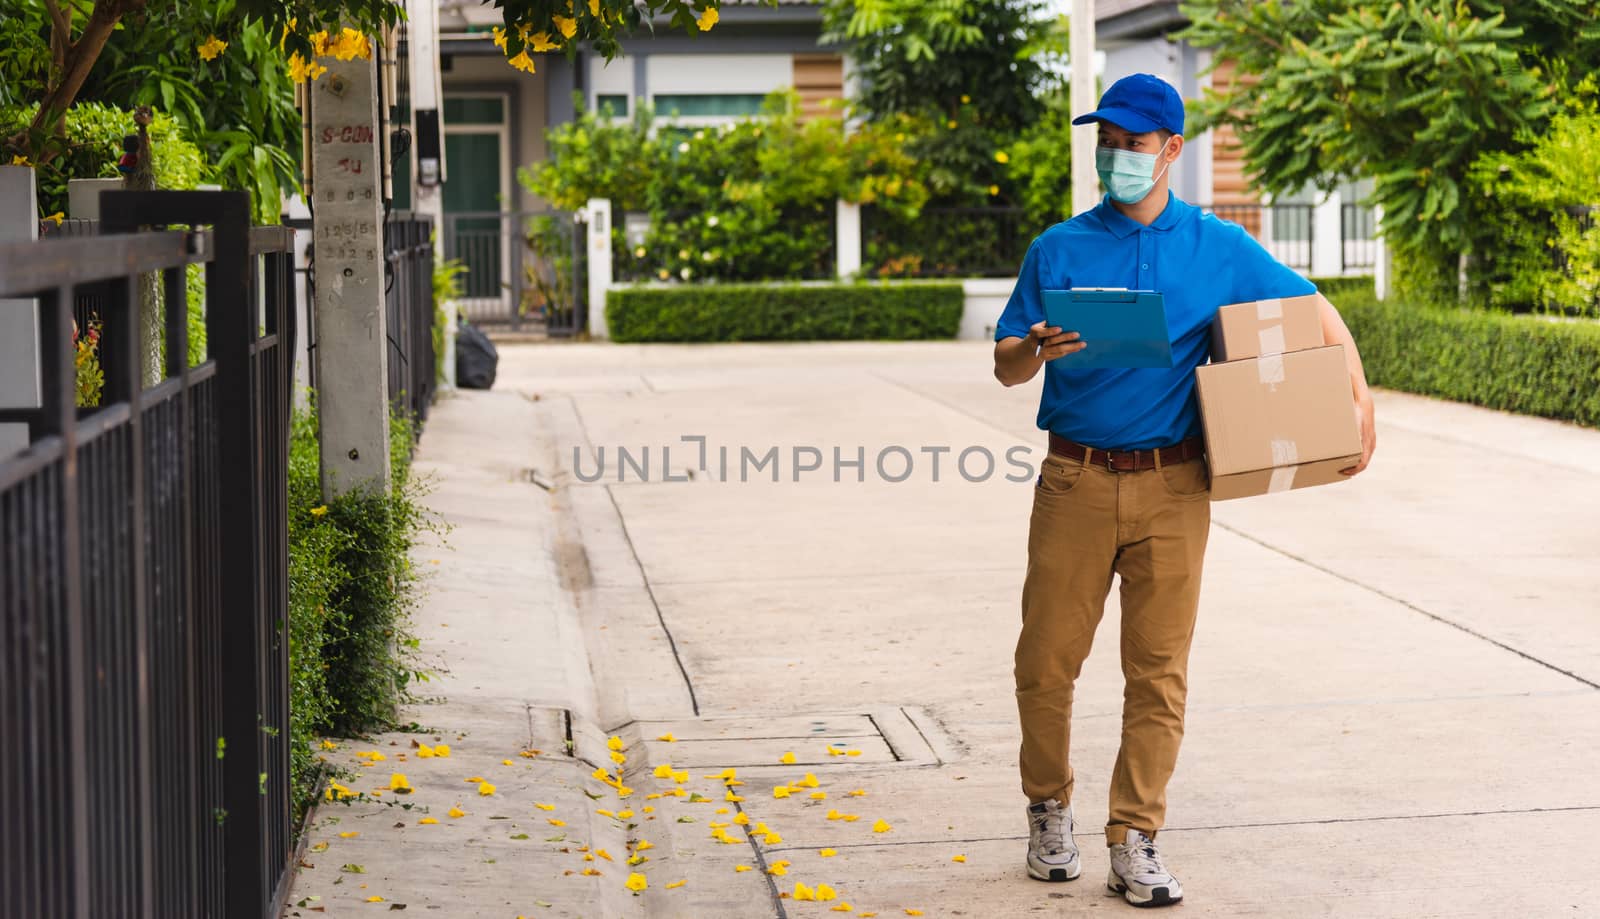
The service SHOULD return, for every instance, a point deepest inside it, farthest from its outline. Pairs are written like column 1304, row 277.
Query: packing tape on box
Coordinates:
column 1269, row 367
column 1269, row 309
column 1285, row 459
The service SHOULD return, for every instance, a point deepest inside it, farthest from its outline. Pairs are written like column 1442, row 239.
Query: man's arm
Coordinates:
column 1335, row 332
column 1016, row 360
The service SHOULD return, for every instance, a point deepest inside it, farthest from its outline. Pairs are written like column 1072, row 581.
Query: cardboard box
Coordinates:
column 1266, row 327
column 1277, row 423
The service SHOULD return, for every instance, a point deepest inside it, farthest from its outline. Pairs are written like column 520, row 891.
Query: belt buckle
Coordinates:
column 1111, row 462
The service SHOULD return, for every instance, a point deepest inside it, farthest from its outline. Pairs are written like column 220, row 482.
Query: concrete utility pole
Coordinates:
column 19, row 319
column 1085, row 184
column 347, row 229
column 427, row 146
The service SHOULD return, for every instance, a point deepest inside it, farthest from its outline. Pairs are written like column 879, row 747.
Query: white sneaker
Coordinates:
column 1138, row 874
column 1052, row 855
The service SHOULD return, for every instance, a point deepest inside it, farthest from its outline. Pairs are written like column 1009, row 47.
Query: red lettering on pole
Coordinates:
column 348, row 134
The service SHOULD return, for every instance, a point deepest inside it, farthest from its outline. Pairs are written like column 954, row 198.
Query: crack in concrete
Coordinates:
column 677, row 658
column 1407, row 604
column 761, row 865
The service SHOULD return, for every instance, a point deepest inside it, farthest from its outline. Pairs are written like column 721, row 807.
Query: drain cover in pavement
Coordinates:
column 902, row 735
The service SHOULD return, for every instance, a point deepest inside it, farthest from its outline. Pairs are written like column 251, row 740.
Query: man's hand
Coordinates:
column 1369, row 435
column 1050, row 342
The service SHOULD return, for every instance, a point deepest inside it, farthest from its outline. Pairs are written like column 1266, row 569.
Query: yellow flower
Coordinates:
column 667, row 738
column 526, row 754
column 397, row 782
column 843, row 908
column 778, row 870
column 787, row 759
column 707, row 19
column 648, row 809
column 544, row 807
column 802, row 892
column 485, row 789
column 676, row 884
column 825, row 893
column 442, row 750
column 604, row 854
column 429, row 820
column 372, row 756
column 326, row 744
column 374, row 899
column 499, row 38
column 623, row 791
column 852, row 753
column 1001, row 157
column 966, row 99
column 471, row 779
column 614, row 742
column 643, row 845
column 350, row 835
column 994, row 190
column 741, row 869
column 522, row 62
column 881, row 827
column 424, row 751
column 605, row 813
column 540, row 41
column 680, row 777
column 773, row 839
column 959, row 858
column 832, row 751
column 506, row 762
column 618, row 758
column 827, row 853
column 20, row 160
column 322, row 510
column 741, row 819
column 349, row 45
column 552, row 821
column 782, row 791
column 850, row 818
column 818, row 795
column 624, row 815
column 212, row 47
column 951, row 124
column 591, row 873
column 732, row 798
column 594, row 7
column 652, row 796
column 834, row 814
column 636, row 882
column 913, row 912
column 810, row 781
column 859, row 793
column 567, row 25
column 457, row 812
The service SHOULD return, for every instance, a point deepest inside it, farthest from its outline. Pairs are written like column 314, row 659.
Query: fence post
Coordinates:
column 352, row 332
column 1327, row 237
column 847, row 239
column 1382, row 270
column 598, row 222
column 19, row 319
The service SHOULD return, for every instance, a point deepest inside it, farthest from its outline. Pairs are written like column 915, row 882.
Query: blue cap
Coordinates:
column 1140, row 103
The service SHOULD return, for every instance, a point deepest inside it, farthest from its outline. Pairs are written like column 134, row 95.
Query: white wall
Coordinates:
column 718, row 73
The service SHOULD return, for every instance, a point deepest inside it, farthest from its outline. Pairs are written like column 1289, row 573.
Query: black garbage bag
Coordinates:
column 476, row 358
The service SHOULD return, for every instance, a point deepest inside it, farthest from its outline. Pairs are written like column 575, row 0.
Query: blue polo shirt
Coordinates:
column 1197, row 261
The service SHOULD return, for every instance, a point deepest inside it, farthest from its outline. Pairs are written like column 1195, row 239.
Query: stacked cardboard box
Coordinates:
column 1275, row 400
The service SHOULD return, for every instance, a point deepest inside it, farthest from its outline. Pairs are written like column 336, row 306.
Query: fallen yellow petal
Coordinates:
column 802, row 892
column 424, row 751
column 350, row 835
column 773, row 839
column 329, row 745
column 676, row 884
column 859, row 793
column 834, row 815
column 810, row 781
column 828, row 853
column 652, row 796
column 778, row 870
column 730, row 796
column 852, row 753
column 663, row 771
column 643, row 845
column 486, row 788
column 824, row 893
column 780, row 792
column 618, row 758
column 398, row 781
column 732, row 783
column 787, row 759
column 615, row 743
column 667, row 738
column 881, row 827
column 636, row 881
column 604, row 854
column 588, row 858
column 723, row 810
column 958, row 858
column 429, row 820
column 818, row 795
column 648, row 809
column 624, row 791
column 742, row 819
column 591, row 873
column 850, row 818
column 374, row 899
column 506, row 762
column 442, row 750
column 913, row 912
column 476, row 778
column 637, row 860
column 604, row 813
column 761, row 828
column 457, row 812
column 843, row 908
column 740, row 869
column 544, row 807
column 551, row 820
column 680, row 777
column 623, row 815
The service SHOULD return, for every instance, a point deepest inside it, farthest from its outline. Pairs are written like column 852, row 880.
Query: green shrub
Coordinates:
column 784, row 312
column 351, row 590
column 1336, row 289
column 93, row 140
column 1519, row 363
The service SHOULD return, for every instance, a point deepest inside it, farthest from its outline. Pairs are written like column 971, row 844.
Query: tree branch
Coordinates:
column 79, row 59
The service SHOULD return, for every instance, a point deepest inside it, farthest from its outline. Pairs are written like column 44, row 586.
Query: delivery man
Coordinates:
column 1124, row 489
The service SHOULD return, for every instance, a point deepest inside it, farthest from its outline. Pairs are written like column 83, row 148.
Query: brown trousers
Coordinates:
column 1088, row 524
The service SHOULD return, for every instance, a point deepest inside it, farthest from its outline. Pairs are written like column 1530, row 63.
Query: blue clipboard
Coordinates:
column 1122, row 328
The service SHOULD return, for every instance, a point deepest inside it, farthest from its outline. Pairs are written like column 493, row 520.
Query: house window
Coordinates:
column 613, row 106
column 474, row 110
column 709, row 106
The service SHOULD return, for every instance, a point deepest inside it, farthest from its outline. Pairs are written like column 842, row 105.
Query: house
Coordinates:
column 1320, row 236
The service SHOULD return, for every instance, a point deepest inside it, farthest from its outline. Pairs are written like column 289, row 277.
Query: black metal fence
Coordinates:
column 144, row 578
column 1358, row 238
column 408, row 297
column 522, row 268
column 1288, row 231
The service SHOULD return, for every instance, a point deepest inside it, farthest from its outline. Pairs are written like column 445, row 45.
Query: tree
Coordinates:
column 305, row 29
column 929, row 57
column 1406, row 92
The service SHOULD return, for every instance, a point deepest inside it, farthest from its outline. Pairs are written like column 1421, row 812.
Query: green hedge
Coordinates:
column 1338, row 288
column 784, row 312
column 1517, row 363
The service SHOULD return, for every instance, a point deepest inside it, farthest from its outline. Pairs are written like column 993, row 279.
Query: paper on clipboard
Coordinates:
column 1121, row 328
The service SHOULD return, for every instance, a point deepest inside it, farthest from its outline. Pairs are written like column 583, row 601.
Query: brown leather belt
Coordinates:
column 1129, row 460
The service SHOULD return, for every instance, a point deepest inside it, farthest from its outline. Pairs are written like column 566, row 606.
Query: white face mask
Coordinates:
column 1126, row 174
